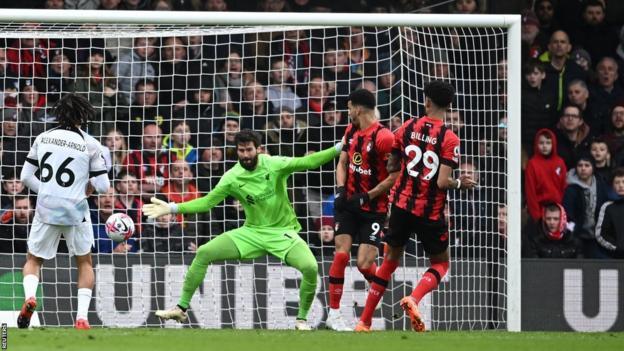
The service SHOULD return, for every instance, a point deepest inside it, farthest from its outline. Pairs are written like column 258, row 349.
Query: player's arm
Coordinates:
column 98, row 173
column 203, row 204
column 31, row 165
column 449, row 160
column 311, row 161
column 341, row 178
column 393, row 166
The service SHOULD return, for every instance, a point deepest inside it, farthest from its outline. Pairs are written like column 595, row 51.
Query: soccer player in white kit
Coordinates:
column 71, row 167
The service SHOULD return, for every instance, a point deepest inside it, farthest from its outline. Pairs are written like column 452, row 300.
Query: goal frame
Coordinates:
column 510, row 22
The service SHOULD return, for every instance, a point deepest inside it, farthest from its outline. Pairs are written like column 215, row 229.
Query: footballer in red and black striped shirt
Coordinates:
column 362, row 201
column 425, row 152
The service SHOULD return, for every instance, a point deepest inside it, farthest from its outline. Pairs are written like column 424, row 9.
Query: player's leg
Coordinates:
column 301, row 258
column 369, row 232
column 79, row 241
column 435, row 241
column 86, row 281
column 43, row 241
column 344, row 229
column 400, row 229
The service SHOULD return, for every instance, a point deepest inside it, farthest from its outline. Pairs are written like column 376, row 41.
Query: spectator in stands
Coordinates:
column 545, row 179
column 281, row 90
column 162, row 5
column 178, row 143
column 105, row 205
column 573, row 135
column 545, row 12
column 582, row 58
column 389, row 94
column 210, row 167
column 255, row 106
column 15, row 147
column 145, row 110
column 116, row 143
column 202, row 115
column 317, row 97
column 33, row 111
column 228, row 131
column 135, row 4
column 215, row 5
column 620, row 54
column 610, row 226
column 54, row 4
column 134, row 67
column 594, row 116
column 362, row 61
column 560, row 67
column 288, row 137
column 336, row 73
column 537, row 105
column 530, row 30
column 27, row 57
column 128, row 198
column 582, row 200
column 607, row 90
column 149, row 164
column 173, row 73
column 15, row 225
column 229, row 81
column 594, row 34
column 82, row 4
column 95, row 81
column 324, row 246
column 166, row 235
column 549, row 237
column 180, row 187
column 600, row 152
column 60, row 77
column 11, row 186
column 465, row 7
column 274, row 6
column 615, row 138
column 110, row 5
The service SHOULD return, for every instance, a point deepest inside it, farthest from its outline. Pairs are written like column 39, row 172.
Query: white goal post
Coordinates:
column 131, row 24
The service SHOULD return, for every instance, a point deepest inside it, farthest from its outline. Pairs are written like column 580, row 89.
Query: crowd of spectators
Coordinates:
column 573, row 129
column 169, row 107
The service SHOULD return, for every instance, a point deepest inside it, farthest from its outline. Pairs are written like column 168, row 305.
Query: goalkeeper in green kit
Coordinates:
column 258, row 181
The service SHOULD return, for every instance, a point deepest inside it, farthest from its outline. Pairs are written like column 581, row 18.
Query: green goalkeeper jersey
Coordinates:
column 262, row 192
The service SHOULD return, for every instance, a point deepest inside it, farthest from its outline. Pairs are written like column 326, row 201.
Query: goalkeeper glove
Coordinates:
column 340, row 201
column 356, row 201
column 159, row 208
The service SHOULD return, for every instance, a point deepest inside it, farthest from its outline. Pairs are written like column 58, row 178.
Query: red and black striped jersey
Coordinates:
column 424, row 144
column 368, row 152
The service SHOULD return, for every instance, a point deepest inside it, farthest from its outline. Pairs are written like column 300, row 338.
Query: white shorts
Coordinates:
column 44, row 238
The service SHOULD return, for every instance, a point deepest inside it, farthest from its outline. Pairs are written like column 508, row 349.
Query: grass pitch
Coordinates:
column 154, row 339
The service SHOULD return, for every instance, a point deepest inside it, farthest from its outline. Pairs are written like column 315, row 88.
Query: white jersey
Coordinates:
column 66, row 158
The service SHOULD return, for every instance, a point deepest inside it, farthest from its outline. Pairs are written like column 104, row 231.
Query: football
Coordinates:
column 119, row 227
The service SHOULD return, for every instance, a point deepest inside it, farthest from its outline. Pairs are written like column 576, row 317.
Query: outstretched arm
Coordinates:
column 311, row 161
column 203, row 204
column 28, row 175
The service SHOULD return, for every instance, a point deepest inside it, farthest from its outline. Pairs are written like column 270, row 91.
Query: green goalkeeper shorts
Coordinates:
column 255, row 242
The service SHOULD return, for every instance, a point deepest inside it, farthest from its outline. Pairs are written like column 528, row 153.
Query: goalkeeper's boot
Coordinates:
column 174, row 313
column 82, row 324
column 410, row 307
column 361, row 327
column 29, row 306
column 335, row 321
column 301, row 324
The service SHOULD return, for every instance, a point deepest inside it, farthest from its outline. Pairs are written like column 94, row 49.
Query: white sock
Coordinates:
column 30, row 282
column 84, row 299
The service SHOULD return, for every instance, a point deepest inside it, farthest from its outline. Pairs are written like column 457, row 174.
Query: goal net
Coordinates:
column 169, row 101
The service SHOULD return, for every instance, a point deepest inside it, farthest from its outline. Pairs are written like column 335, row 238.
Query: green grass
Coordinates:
column 154, row 339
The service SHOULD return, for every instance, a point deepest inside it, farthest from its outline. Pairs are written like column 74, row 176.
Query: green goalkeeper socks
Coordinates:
column 218, row 249
column 301, row 258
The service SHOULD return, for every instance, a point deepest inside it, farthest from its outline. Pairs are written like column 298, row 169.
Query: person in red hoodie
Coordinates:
column 545, row 179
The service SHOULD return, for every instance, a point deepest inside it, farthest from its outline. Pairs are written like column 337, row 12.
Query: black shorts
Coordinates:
column 364, row 227
column 433, row 235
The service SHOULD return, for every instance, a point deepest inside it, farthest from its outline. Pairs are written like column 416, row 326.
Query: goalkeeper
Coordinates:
column 271, row 226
